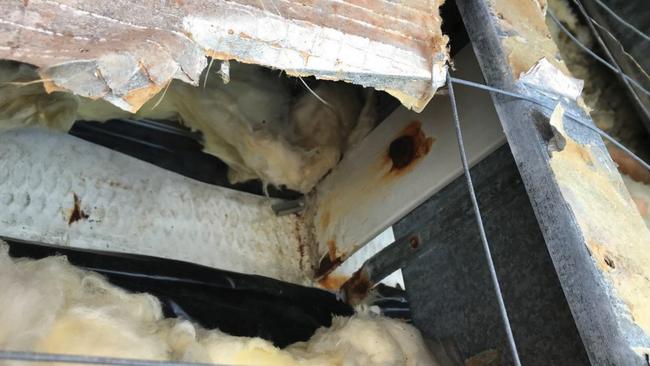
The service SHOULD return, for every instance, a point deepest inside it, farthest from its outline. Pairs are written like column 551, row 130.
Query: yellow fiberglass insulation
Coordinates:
column 51, row 306
column 610, row 108
column 252, row 123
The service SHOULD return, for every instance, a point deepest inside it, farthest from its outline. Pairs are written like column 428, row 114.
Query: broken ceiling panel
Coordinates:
column 125, row 51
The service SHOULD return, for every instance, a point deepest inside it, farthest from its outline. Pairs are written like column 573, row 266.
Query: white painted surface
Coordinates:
column 374, row 246
column 356, row 201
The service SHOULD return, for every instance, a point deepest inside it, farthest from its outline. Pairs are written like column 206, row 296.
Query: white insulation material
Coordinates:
column 127, row 205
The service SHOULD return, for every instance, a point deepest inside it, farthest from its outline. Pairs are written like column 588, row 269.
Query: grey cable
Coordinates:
column 486, row 248
column 592, row 24
column 94, row 360
column 623, row 21
column 595, row 56
column 620, row 46
column 571, row 116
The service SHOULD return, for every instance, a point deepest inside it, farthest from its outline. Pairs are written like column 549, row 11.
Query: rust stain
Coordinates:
column 331, row 249
column 613, row 230
column 301, row 251
column 629, row 166
column 77, row 213
column 224, row 56
column 301, row 244
column 136, row 98
column 245, row 35
column 414, row 242
column 601, row 255
column 325, row 220
column 117, row 184
column 332, row 282
column 409, row 147
column 145, row 70
column 486, row 358
column 326, row 266
column 49, row 85
column 609, row 262
column 356, row 289
column 419, row 32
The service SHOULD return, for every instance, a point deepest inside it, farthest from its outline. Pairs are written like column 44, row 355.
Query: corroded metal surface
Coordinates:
column 401, row 163
column 524, row 35
column 57, row 189
column 577, row 194
column 614, row 232
column 612, row 229
column 126, row 51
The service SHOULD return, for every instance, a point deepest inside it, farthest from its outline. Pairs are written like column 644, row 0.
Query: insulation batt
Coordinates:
column 252, row 123
column 51, row 306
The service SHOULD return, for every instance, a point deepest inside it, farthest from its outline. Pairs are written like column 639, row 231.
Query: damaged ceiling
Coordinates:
column 126, row 51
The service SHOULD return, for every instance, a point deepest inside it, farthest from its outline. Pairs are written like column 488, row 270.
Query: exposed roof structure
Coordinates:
column 126, row 51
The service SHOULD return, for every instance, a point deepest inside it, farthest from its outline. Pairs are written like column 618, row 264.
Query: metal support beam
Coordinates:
column 401, row 163
column 604, row 325
column 448, row 284
column 60, row 190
